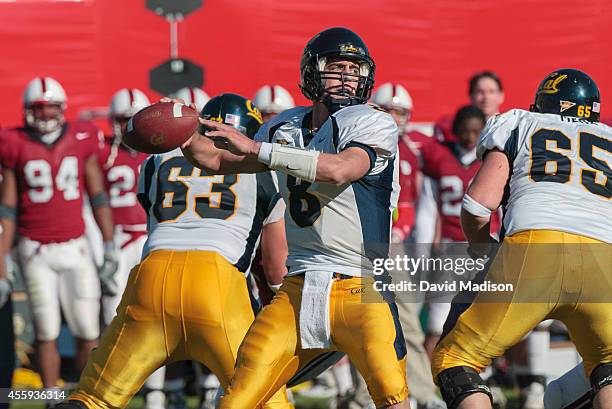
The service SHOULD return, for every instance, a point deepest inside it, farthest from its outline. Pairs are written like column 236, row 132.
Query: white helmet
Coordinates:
column 390, row 95
column 125, row 103
column 273, row 99
column 44, row 90
column 194, row 96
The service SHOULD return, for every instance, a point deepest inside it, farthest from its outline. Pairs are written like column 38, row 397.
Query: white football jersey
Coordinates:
column 189, row 210
column 560, row 172
column 338, row 228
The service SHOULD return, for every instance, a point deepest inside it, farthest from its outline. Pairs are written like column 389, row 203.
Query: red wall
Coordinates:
column 94, row 47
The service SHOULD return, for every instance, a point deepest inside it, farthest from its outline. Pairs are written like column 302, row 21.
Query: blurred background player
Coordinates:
column 486, row 92
column 451, row 165
column 272, row 100
column 121, row 166
column 48, row 165
column 396, row 100
column 189, row 297
column 196, row 96
column 7, row 340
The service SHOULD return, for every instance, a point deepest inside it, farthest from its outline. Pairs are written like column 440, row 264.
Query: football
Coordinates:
column 161, row 127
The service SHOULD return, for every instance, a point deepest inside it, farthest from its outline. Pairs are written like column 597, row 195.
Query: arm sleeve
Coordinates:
column 369, row 128
column 497, row 132
column 431, row 157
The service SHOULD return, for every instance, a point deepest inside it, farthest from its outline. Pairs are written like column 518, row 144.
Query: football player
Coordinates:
column 188, row 297
column 336, row 162
column 48, row 166
column 193, row 96
column 486, row 92
column 7, row 341
column 396, row 100
column 550, row 168
column 121, row 166
column 272, row 100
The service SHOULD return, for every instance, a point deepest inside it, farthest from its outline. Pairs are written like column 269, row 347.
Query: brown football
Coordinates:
column 161, row 127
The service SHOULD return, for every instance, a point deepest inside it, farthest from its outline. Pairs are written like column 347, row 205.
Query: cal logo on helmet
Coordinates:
column 551, row 86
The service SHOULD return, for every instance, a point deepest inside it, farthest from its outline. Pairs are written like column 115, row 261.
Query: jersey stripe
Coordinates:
column 373, row 199
column 266, row 194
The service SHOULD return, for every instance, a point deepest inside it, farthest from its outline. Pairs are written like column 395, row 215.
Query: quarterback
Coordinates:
column 338, row 175
column 550, row 169
column 188, row 298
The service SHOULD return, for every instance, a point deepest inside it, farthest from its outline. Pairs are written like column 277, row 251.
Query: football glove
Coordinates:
column 108, row 270
column 5, row 291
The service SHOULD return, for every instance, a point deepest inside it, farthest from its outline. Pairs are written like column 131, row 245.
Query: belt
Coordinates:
column 336, row 276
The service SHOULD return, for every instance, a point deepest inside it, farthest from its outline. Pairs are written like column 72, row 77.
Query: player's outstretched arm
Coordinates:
column 349, row 165
column 484, row 197
column 213, row 156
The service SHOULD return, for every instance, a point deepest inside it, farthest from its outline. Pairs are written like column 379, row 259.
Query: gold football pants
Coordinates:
column 178, row 305
column 369, row 333
column 555, row 275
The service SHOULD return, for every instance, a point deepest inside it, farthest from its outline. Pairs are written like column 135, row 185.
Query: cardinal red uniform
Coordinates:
column 452, row 169
column 409, row 181
column 53, row 255
column 121, row 167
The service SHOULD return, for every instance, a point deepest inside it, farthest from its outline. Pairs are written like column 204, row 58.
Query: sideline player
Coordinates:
column 272, row 100
column 121, row 166
column 337, row 171
column 196, row 96
column 188, row 298
column 396, row 100
column 48, row 165
column 486, row 92
column 554, row 163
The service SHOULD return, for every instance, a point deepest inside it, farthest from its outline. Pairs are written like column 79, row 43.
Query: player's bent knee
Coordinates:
column 458, row 383
column 601, row 377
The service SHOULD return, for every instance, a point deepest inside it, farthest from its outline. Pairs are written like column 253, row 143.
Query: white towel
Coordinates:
column 314, row 312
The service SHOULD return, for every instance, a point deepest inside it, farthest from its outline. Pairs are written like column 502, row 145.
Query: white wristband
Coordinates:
column 473, row 207
column 297, row 162
column 265, row 152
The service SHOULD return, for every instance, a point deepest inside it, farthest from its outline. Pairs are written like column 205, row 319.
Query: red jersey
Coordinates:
column 50, row 180
column 443, row 129
column 409, row 182
column 121, row 167
column 441, row 162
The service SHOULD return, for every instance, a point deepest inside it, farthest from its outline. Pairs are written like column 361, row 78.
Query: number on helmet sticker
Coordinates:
column 39, row 177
